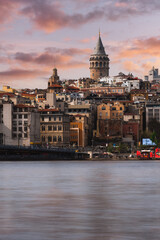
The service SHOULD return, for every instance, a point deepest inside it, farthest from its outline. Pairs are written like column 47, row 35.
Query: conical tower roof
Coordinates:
column 99, row 49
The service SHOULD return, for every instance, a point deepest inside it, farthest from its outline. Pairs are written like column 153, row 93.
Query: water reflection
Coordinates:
column 79, row 200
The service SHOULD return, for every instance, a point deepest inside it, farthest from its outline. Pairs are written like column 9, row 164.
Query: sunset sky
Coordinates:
column 38, row 35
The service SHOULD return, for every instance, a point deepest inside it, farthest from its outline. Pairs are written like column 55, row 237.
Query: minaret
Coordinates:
column 99, row 61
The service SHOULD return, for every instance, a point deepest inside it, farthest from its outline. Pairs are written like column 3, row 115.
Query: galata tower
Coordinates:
column 99, row 61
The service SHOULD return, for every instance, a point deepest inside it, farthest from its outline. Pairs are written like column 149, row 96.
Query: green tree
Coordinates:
column 154, row 127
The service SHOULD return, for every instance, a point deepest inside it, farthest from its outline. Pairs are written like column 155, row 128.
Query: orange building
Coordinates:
column 109, row 119
column 111, row 110
column 79, row 130
column 28, row 95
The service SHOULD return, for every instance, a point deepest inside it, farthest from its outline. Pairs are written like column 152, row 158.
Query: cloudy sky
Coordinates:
column 38, row 35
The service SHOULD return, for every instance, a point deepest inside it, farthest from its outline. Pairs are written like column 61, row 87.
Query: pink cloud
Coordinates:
column 49, row 16
column 121, row 4
column 88, row 40
column 7, row 9
column 131, row 66
column 145, row 48
column 19, row 74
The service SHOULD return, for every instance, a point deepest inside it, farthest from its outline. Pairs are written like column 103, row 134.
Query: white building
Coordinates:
column 153, row 75
column 19, row 124
column 131, row 84
column 126, row 81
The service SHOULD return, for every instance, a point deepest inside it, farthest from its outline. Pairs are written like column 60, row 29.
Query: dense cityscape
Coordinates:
column 116, row 112
column 79, row 119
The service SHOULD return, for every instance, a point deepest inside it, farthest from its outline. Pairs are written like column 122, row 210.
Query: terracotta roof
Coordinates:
column 72, row 87
column 138, row 91
column 23, row 106
column 7, row 94
column 28, row 95
column 55, row 86
column 131, row 78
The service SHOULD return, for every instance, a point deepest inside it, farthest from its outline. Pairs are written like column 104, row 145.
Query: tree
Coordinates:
column 154, row 127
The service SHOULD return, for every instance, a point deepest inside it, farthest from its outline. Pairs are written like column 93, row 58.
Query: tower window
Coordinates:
column 93, row 74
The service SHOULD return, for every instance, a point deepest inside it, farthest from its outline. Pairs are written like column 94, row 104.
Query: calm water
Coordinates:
column 80, row 200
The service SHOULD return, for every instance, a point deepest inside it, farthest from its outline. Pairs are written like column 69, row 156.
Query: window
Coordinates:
column 20, row 116
column 43, row 138
column 59, row 138
column 25, row 116
column 25, row 123
column 59, row 128
column 49, row 139
column 43, row 128
column 14, row 129
column 103, row 108
column 20, row 128
column 54, row 139
column 120, row 108
column 14, row 116
column 60, row 118
column 25, row 129
column 19, row 135
column 20, row 123
column 54, row 128
column 20, row 109
column 49, row 128
column 14, row 135
column 25, row 135
column 42, row 118
column 55, row 118
column 113, row 108
column 50, row 118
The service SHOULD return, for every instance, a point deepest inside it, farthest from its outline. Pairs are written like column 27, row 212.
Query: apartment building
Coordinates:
column 79, row 130
column 152, row 112
column 19, row 124
column 54, row 127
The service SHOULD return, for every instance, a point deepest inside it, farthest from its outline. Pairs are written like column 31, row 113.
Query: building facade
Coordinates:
column 19, row 124
column 152, row 112
column 54, row 127
column 79, row 130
